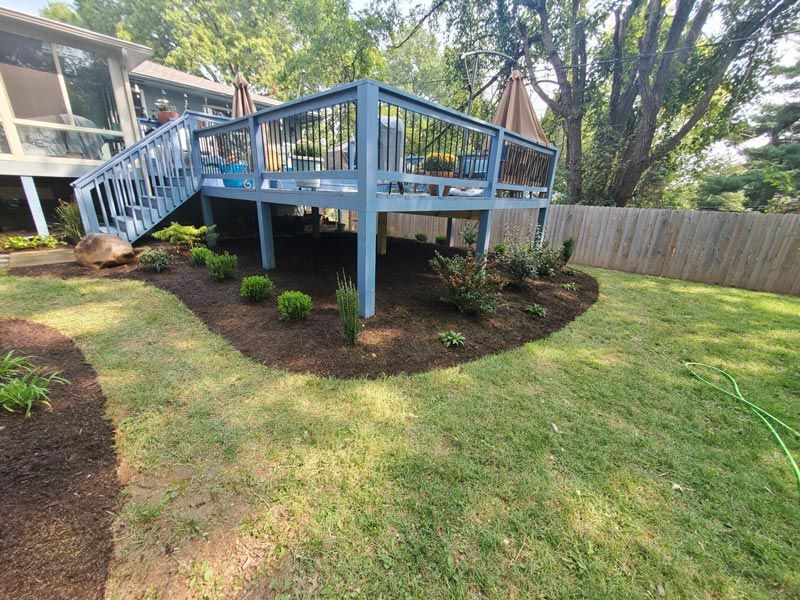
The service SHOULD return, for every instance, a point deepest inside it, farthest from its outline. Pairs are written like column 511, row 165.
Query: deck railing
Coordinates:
column 318, row 143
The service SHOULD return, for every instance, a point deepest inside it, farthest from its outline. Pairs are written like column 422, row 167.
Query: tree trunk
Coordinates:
column 573, row 126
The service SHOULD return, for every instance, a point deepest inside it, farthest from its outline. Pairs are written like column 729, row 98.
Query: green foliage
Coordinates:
column 470, row 282
column 183, row 236
column 421, row 236
column 469, row 233
column 155, row 259
column 567, row 248
column 550, row 261
column 199, row 255
column 452, row 339
column 19, row 242
column 570, row 286
column 347, row 301
column 520, row 257
column 69, row 221
column 222, row 266
column 256, row 288
column 439, row 161
column 22, row 385
column 500, row 249
column 537, row 310
column 306, row 148
column 294, row 305
column 441, row 240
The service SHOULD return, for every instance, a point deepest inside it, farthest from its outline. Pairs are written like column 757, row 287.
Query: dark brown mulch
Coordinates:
column 401, row 338
column 58, row 480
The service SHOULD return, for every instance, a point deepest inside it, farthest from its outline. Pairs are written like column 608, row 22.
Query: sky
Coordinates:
column 29, row 6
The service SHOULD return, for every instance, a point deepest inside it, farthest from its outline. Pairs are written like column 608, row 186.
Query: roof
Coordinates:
column 151, row 71
column 64, row 33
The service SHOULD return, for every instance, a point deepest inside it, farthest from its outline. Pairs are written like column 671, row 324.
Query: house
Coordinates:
column 70, row 99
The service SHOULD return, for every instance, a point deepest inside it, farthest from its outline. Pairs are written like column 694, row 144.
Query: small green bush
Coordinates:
column 183, row 236
column 347, row 301
column 522, row 263
column 222, row 266
column 256, row 288
column 451, row 339
column 567, row 248
column 199, row 255
column 154, row 259
column 441, row 240
column 421, row 236
column 500, row 249
column 22, row 385
column 470, row 281
column 469, row 233
column 570, row 287
column 550, row 261
column 537, row 310
column 69, row 221
column 20, row 242
column 439, row 161
column 293, row 305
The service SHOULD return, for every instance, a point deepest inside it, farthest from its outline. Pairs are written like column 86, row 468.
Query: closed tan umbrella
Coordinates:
column 242, row 100
column 515, row 111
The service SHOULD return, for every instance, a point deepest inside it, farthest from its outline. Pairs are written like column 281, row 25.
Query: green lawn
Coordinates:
column 586, row 464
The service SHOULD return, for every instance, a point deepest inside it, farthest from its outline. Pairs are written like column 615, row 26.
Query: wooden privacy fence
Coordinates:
column 746, row 250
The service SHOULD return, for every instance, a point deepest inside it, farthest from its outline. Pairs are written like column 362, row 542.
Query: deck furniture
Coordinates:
column 374, row 139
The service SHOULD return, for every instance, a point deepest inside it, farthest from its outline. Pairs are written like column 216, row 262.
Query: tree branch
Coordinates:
column 420, row 23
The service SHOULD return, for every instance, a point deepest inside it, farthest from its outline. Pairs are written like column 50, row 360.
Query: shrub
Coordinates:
column 294, row 305
column 20, row 242
column 22, row 385
column 421, row 236
column 256, row 288
column 537, row 310
column 550, row 261
column 306, row 148
column 347, row 300
column 439, row 161
column 69, row 221
column 469, row 233
column 183, row 236
column 522, row 263
column 154, row 259
column 500, row 249
column 441, row 240
column 222, row 266
column 471, row 284
column 567, row 248
column 199, row 255
column 451, row 339
column 570, row 287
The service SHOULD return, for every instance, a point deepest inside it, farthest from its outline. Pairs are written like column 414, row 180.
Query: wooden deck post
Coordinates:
column 365, row 264
column 264, row 210
column 35, row 205
column 383, row 231
column 208, row 218
column 315, row 222
column 541, row 223
column 484, row 229
column 451, row 232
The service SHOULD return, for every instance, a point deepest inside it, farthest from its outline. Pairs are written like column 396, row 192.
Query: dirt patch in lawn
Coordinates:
column 58, row 478
column 401, row 338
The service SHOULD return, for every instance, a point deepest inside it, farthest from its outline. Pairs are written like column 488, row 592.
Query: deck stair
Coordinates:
column 138, row 188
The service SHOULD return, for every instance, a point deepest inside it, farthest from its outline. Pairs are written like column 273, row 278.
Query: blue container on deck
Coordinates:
column 237, row 183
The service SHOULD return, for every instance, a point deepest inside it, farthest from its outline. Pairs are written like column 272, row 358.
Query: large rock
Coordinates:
column 99, row 250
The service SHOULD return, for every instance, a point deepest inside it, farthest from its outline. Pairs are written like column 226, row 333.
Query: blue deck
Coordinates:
column 372, row 142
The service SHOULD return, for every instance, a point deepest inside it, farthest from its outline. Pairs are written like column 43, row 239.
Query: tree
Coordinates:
column 273, row 42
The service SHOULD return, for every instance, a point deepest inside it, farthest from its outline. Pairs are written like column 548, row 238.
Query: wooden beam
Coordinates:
column 264, row 210
column 208, row 218
column 365, row 264
column 35, row 205
column 383, row 230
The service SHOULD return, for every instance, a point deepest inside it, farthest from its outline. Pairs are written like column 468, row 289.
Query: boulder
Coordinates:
column 99, row 250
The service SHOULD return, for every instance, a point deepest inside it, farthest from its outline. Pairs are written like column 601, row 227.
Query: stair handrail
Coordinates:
column 145, row 141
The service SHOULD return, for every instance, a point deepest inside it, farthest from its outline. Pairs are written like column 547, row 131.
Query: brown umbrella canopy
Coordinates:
column 242, row 100
column 515, row 111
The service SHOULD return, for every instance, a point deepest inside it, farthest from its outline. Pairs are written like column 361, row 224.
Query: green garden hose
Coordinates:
column 757, row 410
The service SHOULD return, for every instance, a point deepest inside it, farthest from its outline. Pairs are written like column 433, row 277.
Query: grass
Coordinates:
column 586, row 464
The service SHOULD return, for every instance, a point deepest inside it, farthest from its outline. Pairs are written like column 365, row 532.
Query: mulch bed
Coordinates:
column 58, row 481
column 401, row 338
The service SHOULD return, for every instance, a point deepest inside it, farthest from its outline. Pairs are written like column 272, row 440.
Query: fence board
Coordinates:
column 747, row 250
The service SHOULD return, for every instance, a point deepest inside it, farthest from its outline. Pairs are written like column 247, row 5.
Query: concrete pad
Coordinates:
column 32, row 258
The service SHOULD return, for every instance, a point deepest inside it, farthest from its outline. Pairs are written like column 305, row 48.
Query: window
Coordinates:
column 4, row 148
column 54, row 93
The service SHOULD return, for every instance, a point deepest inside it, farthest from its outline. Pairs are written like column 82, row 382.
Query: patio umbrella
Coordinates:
column 515, row 111
column 242, row 100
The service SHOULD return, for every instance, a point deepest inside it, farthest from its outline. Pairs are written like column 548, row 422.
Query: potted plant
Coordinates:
column 439, row 164
column 166, row 112
column 307, row 157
